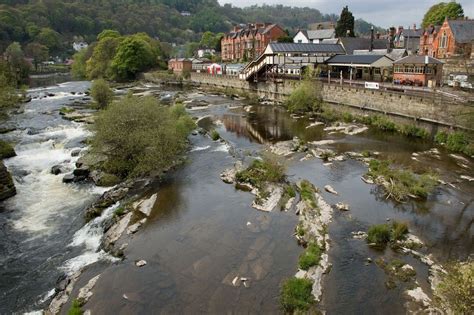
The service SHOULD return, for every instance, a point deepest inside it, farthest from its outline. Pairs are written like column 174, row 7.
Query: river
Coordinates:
column 202, row 232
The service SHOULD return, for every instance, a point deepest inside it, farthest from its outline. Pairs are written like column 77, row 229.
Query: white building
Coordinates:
column 205, row 51
column 78, row 46
column 314, row 36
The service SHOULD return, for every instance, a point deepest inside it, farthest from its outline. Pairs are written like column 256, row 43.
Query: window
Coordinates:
column 376, row 70
column 444, row 41
column 409, row 69
column 419, row 69
column 429, row 70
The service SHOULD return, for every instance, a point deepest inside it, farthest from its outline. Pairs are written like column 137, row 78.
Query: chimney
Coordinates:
column 377, row 35
column 371, row 38
column 414, row 26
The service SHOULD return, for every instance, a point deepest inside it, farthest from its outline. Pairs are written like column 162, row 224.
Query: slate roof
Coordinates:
column 417, row 60
column 321, row 34
column 306, row 48
column 412, row 33
column 463, row 30
column 355, row 59
column 353, row 43
column 394, row 54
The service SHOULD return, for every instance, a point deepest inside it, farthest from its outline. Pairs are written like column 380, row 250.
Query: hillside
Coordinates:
column 54, row 23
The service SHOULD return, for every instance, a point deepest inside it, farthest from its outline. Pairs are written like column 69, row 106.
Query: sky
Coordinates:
column 379, row 12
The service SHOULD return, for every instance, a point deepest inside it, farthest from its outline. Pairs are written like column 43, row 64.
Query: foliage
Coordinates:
column 305, row 98
column 75, row 308
column 307, row 191
column 345, row 24
column 140, row 137
column 438, row 12
column 414, row 131
column 455, row 292
column 103, row 52
column 79, row 70
column 16, row 60
column 295, row 295
column 379, row 234
column 400, row 184
column 398, row 231
column 441, row 137
column 211, row 40
column 8, row 94
column 107, row 180
column 261, row 172
column 37, row 52
column 455, row 141
column 119, row 211
column 6, row 150
column 101, row 93
column 310, row 257
column 215, row 135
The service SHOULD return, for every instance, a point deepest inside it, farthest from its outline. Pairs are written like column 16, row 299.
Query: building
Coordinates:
column 455, row 38
column 78, row 46
column 278, row 55
column 247, row 42
column 185, row 13
column 428, row 42
column 362, row 67
column 314, row 36
column 393, row 54
column 234, row 69
column 322, row 25
column 408, row 39
column 180, row 65
column 354, row 43
column 203, row 52
column 418, row 70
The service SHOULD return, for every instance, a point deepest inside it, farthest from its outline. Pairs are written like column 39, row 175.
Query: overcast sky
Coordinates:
column 380, row 12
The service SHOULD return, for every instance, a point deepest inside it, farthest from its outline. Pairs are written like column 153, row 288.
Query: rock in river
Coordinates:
column 68, row 178
column 331, row 190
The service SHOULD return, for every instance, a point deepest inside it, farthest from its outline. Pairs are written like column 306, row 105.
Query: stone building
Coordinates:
column 249, row 41
column 455, row 38
column 418, row 70
column 180, row 65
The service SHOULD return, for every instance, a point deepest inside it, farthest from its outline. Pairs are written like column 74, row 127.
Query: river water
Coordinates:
column 203, row 233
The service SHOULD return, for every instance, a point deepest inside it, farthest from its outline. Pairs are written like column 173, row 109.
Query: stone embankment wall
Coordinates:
column 7, row 188
column 426, row 108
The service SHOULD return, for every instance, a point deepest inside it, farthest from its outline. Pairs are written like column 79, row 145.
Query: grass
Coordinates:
column 295, row 295
column 400, row 184
column 288, row 193
column 307, row 191
column 119, row 211
column 66, row 110
column 396, row 271
column 300, row 230
column 382, row 234
column 6, row 150
column 414, row 131
column 215, row 135
column 456, row 141
column 310, row 257
column 75, row 308
column 261, row 172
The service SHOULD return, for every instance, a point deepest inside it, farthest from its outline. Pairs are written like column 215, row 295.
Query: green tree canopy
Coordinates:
column 98, row 65
column 134, row 55
column 37, row 52
column 101, row 93
column 16, row 59
column 50, row 39
column 439, row 12
column 108, row 34
column 345, row 24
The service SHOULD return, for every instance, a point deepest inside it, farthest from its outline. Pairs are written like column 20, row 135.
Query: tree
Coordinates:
column 16, row 60
column 99, row 64
column 345, row 24
column 37, row 52
column 139, row 136
column 79, row 67
column 50, row 39
column 101, row 93
column 108, row 34
column 439, row 12
column 134, row 55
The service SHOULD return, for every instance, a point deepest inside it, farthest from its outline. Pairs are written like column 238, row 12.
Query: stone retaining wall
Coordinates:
column 428, row 107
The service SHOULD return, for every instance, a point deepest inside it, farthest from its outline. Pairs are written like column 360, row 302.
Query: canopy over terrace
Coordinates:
column 362, row 67
column 281, row 54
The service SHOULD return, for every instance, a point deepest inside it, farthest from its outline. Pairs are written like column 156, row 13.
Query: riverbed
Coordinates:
column 202, row 233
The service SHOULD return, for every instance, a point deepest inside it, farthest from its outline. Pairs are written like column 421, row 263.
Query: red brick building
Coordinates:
column 453, row 38
column 248, row 42
column 180, row 65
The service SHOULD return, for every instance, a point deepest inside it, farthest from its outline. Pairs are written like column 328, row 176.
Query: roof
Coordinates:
column 394, row 54
column 321, row 34
column 416, row 59
column 355, row 59
column 305, row 48
column 330, row 41
column 353, row 43
column 412, row 33
column 463, row 30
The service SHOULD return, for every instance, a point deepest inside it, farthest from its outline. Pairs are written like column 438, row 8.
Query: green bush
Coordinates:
column 400, row 184
column 215, row 135
column 119, row 211
column 260, row 172
column 101, row 93
column 379, row 234
column 310, row 257
column 457, row 142
column 398, row 231
column 6, row 150
column 305, row 98
column 383, row 123
column 414, row 131
column 75, row 308
column 441, row 137
column 307, row 191
column 295, row 295
column 140, row 137
column 455, row 292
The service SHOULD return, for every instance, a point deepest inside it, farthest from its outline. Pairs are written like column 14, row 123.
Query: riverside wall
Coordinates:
column 425, row 108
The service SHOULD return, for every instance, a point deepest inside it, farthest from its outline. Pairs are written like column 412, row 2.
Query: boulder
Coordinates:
column 56, row 169
column 7, row 187
column 140, row 263
column 342, row 206
column 82, row 171
column 75, row 152
column 331, row 190
column 68, row 178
